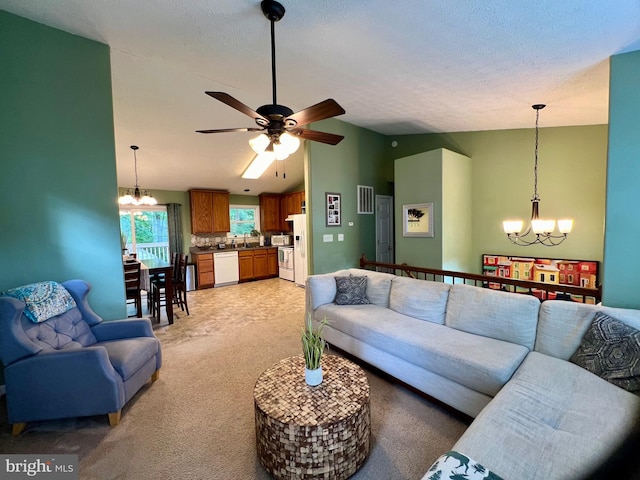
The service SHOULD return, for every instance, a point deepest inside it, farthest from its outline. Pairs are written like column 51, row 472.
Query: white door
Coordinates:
column 384, row 229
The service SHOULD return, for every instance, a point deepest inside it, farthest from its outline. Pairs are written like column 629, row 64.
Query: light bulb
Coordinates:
column 290, row 142
column 512, row 226
column 565, row 225
column 259, row 143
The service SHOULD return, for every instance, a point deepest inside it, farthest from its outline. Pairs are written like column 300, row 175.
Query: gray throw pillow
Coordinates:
column 611, row 350
column 351, row 290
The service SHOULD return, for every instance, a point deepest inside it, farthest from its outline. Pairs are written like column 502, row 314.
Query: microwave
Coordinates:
column 280, row 239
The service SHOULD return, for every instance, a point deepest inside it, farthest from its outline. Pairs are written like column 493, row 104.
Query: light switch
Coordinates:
column 327, row 237
column 341, row 237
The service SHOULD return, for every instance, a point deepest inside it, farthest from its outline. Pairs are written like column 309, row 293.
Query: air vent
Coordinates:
column 365, row 199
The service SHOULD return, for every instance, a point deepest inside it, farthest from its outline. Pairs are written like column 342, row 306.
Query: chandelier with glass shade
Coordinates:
column 136, row 196
column 539, row 231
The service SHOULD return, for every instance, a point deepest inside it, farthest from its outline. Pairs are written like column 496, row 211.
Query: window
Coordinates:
column 145, row 231
column 244, row 219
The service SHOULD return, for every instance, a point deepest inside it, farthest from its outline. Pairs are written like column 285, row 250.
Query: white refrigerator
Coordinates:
column 300, row 248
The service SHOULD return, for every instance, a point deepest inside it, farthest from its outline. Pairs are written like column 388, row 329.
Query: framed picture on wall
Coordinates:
column 333, row 210
column 417, row 220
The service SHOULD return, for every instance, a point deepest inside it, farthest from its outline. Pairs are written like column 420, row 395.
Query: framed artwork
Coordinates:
column 417, row 220
column 333, row 210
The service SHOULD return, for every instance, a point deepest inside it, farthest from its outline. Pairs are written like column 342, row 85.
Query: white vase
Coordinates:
column 313, row 377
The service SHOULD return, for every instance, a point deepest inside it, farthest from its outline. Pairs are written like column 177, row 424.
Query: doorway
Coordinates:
column 385, row 251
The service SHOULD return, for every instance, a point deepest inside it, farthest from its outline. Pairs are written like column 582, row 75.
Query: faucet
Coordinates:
column 245, row 240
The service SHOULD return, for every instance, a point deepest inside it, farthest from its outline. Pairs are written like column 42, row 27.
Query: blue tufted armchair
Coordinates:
column 73, row 364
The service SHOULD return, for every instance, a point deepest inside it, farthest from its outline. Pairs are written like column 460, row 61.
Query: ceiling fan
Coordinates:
column 279, row 124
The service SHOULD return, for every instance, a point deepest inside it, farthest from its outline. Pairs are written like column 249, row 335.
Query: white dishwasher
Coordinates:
column 225, row 268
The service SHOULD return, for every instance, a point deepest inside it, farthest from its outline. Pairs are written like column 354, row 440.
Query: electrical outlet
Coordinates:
column 341, row 237
column 351, row 224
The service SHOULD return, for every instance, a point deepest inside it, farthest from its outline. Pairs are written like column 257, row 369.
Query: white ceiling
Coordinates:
column 396, row 67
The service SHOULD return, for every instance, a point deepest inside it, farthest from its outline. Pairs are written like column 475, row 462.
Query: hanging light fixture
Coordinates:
column 136, row 197
column 542, row 229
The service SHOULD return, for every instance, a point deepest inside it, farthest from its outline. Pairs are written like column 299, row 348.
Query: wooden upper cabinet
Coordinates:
column 270, row 212
column 209, row 211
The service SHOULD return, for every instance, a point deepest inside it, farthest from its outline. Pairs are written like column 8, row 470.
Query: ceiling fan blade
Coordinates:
column 238, row 105
column 327, row 109
column 316, row 136
column 222, row 130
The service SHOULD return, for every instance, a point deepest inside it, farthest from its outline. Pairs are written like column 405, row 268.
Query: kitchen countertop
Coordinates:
column 199, row 251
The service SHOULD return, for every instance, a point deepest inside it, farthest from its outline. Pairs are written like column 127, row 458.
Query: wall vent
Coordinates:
column 365, row 199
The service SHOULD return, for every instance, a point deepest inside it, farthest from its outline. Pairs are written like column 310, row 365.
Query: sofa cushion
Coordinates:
column 351, row 290
column 422, row 299
column 611, row 350
column 511, row 317
column 480, row 363
column 130, row 354
column 378, row 285
column 543, row 423
column 562, row 325
column 64, row 331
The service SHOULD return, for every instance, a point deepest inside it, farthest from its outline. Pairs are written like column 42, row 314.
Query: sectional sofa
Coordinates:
column 521, row 368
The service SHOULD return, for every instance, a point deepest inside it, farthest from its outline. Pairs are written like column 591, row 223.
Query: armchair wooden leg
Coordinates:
column 114, row 418
column 18, row 428
column 155, row 376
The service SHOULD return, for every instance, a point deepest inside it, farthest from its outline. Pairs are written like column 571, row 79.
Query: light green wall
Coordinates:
column 59, row 214
column 357, row 160
column 443, row 178
column 621, row 252
column 572, row 169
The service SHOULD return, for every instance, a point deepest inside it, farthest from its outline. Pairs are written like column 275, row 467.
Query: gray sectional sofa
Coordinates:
column 501, row 358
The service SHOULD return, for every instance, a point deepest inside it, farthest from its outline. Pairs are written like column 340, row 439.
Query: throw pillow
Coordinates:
column 43, row 300
column 457, row 465
column 611, row 350
column 351, row 290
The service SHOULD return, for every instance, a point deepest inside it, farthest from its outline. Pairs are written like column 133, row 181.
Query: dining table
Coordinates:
column 154, row 267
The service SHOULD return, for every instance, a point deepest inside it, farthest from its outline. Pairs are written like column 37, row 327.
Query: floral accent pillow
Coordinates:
column 611, row 350
column 351, row 290
column 456, row 465
column 43, row 300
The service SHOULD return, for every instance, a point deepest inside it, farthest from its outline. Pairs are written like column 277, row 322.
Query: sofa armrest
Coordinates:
column 126, row 328
column 320, row 290
column 63, row 383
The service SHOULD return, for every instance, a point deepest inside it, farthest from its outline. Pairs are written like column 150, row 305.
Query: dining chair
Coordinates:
column 180, row 284
column 132, row 286
column 157, row 283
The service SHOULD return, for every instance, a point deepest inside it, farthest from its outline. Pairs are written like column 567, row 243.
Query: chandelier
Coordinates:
column 539, row 231
column 135, row 196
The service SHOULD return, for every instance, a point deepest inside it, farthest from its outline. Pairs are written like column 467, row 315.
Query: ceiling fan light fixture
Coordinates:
column 258, row 165
column 259, row 143
column 290, row 142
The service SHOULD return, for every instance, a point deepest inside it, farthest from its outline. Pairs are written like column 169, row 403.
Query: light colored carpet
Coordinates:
column 197, row 420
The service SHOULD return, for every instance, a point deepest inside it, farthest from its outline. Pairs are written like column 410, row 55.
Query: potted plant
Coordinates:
column 312, row 347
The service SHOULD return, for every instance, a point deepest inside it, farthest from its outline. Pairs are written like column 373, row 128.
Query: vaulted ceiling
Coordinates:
column 403, row 67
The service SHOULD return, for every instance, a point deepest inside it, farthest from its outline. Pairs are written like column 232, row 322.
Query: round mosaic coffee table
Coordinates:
column 307, row 432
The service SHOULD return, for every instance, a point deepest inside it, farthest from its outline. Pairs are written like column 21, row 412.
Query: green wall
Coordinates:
column 359, row 159
column 59, row 216
column 621, row 252
column 571, row 183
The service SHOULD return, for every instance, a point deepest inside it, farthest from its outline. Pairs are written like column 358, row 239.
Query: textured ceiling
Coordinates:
column 409, row 66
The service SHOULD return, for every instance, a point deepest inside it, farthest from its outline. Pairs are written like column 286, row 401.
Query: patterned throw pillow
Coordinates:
column 456, row 465
column 43, row 300
column 351, row 290
column 611, row 350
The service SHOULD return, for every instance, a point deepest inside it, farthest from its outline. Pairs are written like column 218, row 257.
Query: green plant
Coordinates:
column 255, row 233
column 312, row 343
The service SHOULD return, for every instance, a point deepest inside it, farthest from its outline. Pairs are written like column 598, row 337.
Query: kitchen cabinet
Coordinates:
column 270, row 212
column 290, row 204
column 245, row 265
column 209, row 211
column 284, row 209
column 272, row 262
column 258, row 263
column 204, row 269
